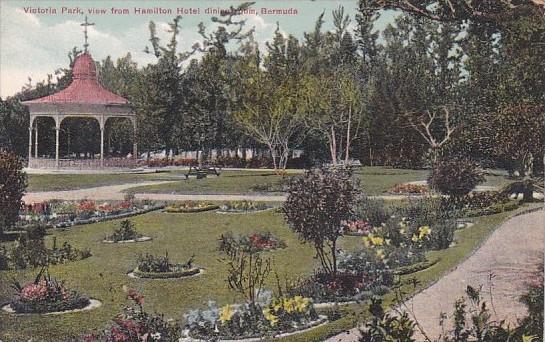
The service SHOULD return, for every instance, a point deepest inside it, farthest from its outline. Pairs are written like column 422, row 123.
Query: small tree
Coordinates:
column 247, row 272
column 456, row 177
column 316, row 206
column 13, row 183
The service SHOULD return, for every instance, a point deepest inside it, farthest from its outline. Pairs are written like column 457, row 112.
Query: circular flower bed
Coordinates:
column 159, row 267
column 256, row 242
column 46, row 295
column 243, row 206
column 125, row 233
column 191, row 207
column 279, row 316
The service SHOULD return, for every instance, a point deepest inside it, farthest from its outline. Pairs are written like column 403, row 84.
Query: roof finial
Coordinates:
column 85, row 24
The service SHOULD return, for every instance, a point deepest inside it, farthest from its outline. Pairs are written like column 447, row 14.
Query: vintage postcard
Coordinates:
column 309, row 170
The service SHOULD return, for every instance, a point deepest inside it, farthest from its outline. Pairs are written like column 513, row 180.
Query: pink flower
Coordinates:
column 34, row 292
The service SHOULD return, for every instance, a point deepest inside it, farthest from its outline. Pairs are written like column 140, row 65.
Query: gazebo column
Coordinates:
column 101, row 121
column 36, row 141
column 57, row 131
column 29, row 143
column 135, row 144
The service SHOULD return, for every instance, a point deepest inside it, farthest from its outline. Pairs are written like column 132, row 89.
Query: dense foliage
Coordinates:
column 12, row 188
column 455, row 177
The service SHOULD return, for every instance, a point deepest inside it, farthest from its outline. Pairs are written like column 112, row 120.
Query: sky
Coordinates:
column 36, row 44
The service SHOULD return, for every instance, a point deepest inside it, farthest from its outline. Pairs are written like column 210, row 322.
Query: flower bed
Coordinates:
column 159, row 267
column 256, row 242
column 62, row 214
column 243, row 206
column 46, row 295
column 246, row 321
column 191, row 207
column 124, row 233
column 408, row 189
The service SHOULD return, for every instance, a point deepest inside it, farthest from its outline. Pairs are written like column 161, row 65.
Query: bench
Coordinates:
column 202, row 171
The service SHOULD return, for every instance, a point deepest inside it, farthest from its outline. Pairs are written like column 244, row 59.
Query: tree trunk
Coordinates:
column 347, row 152
column 333, row 146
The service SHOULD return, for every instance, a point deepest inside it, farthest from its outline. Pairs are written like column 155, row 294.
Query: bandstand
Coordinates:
column 83, row 98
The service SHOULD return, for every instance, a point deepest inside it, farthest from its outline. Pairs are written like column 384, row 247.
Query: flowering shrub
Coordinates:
column 255, row 242
column 125, row 231
column 136, row 325
column 408, row 188
column 269, row 317
column 191, row 207
column 243, row 206
column 45, row 294
column 151, row 266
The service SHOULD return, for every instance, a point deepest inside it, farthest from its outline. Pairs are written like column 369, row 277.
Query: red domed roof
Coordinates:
column 84, row 67
column 84, row 88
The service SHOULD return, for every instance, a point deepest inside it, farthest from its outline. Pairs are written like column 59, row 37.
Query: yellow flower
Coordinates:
column 301, row 303
column 277, row 305
column 414, row 238
column 269, row 316
column 372, row 241
column 423, row 232
column 289, row 305
column 380, row 253
column 377, row 241
column 226, row 313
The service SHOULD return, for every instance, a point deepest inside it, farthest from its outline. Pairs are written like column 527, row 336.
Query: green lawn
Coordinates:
column 103, row 275
column 55, row 182
column 375, row 180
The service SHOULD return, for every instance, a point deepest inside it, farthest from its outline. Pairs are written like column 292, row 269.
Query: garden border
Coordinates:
column 93, row 304
column 194, row 272
column 322, row 320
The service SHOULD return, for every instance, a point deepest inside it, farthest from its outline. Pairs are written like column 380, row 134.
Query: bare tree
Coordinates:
column 429, row 123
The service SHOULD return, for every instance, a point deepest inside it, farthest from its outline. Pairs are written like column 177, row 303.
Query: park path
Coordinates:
column 117, row 192
column 512, row 254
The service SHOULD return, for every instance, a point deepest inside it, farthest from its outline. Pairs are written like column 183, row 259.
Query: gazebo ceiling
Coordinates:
column 84, row 94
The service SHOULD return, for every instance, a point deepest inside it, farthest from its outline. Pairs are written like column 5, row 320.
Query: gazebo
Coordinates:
column 83, row 98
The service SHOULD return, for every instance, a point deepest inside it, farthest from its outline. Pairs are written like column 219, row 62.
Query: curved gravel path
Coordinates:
column 513, row 253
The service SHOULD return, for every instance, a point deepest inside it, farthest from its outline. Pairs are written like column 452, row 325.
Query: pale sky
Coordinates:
column 36, row 44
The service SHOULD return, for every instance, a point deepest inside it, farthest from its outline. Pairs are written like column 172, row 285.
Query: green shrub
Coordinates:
column 13, row 182
column 455, row 177
column 317, row 205
column 372, row 211
column 125, row 231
